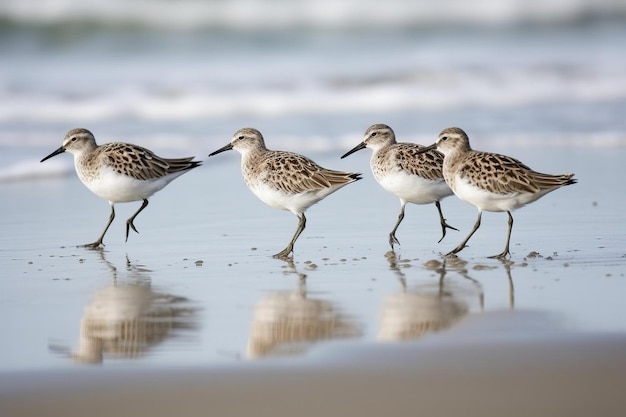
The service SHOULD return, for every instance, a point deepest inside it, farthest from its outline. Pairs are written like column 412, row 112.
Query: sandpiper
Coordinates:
column 490, row 181
column 411, row 176
column 284, row 180
column 120, row 172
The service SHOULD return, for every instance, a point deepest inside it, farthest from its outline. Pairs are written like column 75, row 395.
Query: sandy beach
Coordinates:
column 197, row 300
column 541, row 371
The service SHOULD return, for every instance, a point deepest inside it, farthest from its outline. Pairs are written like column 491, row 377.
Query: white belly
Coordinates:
column 119, row 188
column 488, row 201
column 414, row 189
column 296, row 203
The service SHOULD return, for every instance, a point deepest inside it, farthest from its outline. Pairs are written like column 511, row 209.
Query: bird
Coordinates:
column 284, row 180
column 490, row 181
column 120, row 172
column 411, row 176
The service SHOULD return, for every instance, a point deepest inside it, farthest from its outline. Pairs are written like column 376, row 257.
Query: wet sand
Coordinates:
column 181, row 315
column 539, row 372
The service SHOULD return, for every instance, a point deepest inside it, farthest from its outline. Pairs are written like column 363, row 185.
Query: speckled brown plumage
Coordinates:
column 135, row 161
column 120, row 172
column 405, row 157
column 490, row 181
column 495, row 173
column 404, row 170
column 292, row 173
column 284, row 180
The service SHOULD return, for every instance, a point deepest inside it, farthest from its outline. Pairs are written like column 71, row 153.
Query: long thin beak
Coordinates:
column 222, row 149
column 58, row 151
column 428, row 148
column 353, row 150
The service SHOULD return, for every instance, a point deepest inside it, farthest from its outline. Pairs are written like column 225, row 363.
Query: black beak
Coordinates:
column 428, row 148
column 356, row 148
column 58, row 151
column 222, row 149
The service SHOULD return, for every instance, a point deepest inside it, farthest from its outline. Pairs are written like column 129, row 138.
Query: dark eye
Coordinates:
column 73, row 139
column 374, row 134
column 240, row 137
column 444, row 138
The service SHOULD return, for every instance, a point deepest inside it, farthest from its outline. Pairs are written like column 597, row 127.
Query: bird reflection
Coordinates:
column 426, row 308
column 127, row 318
column 507, row 267
column 286, row 323
column 453, row 262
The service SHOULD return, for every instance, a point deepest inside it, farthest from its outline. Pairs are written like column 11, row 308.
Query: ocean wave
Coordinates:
column 29, row 170
column 441, row 91
column 316, row 14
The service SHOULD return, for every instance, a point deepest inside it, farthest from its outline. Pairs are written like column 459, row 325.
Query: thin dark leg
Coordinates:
column 462, row 245
column 98, row 242
column 444, row 225
column 392, row 235
column 301, row 225
column 129, row 222
column 506, row 251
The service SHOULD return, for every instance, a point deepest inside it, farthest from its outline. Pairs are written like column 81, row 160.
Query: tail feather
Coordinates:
column 544, row 181
column 182, row 164
column 340, row 177
column 570, row 180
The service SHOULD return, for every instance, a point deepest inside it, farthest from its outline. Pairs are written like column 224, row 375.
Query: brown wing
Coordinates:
column 428, row 165
column 294, row 173
column 504, row 175
column 140, row 163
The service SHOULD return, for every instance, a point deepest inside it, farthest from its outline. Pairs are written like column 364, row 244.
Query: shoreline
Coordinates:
column 542, row 370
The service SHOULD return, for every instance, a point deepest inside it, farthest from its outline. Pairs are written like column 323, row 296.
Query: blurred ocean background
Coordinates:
column 181, row 76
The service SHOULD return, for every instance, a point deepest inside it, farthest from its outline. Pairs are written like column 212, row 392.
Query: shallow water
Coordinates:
column 199, row 286
column 545, row 83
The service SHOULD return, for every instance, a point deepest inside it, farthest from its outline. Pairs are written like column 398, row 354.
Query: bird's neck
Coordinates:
column 380, row 151
column 251, row 158
column 453, row 158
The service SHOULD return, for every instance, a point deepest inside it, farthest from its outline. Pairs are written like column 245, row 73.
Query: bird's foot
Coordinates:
column 393, row 240
column 505, row 255
column 445, row 226
column 456, row 250
column 284, row 254
column 130, row 225
column 95, row 245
